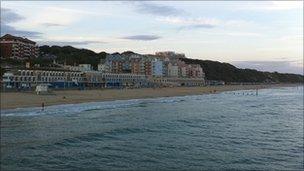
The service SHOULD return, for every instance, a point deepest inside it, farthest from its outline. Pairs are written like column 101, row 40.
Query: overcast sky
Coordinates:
column 262, row 35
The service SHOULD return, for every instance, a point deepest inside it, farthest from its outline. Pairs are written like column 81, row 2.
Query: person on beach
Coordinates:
column 42, row 106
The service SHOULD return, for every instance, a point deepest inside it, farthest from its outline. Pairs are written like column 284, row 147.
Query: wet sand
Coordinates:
column 10, row 100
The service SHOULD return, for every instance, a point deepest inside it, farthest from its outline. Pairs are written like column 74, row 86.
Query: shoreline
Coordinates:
column 12, row 100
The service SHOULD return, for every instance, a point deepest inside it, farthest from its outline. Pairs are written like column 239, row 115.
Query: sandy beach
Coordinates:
column 10, row 100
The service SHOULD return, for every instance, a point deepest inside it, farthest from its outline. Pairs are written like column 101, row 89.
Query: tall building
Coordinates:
column 116, row 67
column 18, row 47
column 135, row 65
column 115, row 63
column 103, row 68
column 195, row 71
column 172, row 70
column 157, row 68
column 146, row 66
column 183, row 69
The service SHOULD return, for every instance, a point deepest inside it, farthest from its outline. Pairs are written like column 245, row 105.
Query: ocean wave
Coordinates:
column 117, row 104
column 87, row 107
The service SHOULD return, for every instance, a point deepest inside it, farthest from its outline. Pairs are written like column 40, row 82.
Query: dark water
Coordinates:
column 220, row 131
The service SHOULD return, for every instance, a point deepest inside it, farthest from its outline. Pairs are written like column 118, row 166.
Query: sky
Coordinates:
column 265, row 35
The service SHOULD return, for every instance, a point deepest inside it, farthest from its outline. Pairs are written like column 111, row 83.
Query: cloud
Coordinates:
column 8, row 16
column 6, row 29
column 297, row 38
column 197, row 26
column 159, row 10
column 191, row 23
column 285, row 5
column 71, row 43
column 142, row 37
column 56, row 16
column 286, row 66
column 271, row 5
column 52, row 24
column 247, row 34
column 184, row 23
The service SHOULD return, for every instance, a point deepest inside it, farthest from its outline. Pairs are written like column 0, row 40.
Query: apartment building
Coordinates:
column 136, row 66
column 195, row 71
column 103, row 68
column 157, row 68
column 147, row 66
column 172, row 70
column 18, row 47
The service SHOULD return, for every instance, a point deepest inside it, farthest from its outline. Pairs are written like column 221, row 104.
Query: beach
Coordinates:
column 11, row 100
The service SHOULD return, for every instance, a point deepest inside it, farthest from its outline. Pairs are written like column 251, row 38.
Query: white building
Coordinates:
column 80, row 67
column 157, row 68
column 103, row 68
column 196, row 71
column 42, row 88
column 172, row 70
column 121, row 80
column 183, row 71
column 85, row 67
column 32, row 78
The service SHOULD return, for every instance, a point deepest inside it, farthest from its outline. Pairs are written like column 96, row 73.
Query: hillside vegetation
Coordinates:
column 70, row 55
column 215, row 70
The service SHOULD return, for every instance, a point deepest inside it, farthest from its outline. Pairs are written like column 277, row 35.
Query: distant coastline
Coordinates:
column 11, row 100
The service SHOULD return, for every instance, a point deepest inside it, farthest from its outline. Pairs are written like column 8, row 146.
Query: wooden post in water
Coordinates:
column 256, row 92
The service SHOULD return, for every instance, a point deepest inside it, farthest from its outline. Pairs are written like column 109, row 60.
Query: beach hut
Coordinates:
column 42, row 88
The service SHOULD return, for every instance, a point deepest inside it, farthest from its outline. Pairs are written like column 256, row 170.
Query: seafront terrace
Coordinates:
column 58, row 79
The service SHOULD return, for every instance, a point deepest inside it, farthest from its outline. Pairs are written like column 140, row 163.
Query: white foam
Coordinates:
column 81, row 107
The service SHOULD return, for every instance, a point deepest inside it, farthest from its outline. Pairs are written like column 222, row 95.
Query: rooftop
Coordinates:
column 9, row 36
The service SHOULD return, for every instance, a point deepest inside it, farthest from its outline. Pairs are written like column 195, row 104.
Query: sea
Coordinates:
column 229, row 130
